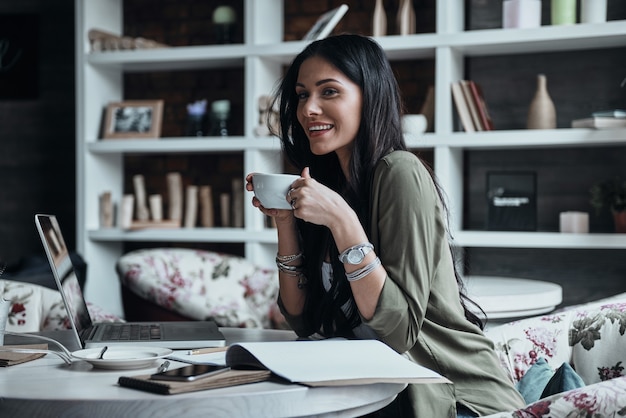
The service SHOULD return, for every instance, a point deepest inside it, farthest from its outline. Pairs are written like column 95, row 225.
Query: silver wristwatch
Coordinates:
column 356, row 254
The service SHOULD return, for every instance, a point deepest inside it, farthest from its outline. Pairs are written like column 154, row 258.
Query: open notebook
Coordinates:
column 173, row 335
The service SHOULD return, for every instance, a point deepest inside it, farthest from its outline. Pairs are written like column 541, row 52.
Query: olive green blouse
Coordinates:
column 419, row 312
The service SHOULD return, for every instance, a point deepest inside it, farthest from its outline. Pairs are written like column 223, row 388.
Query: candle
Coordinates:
column 574, row 222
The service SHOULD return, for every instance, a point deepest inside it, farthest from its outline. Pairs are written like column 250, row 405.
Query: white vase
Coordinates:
column 521, row 14
column 541, row 112
column 406, row 17
column 379, row 20
column 592, row 11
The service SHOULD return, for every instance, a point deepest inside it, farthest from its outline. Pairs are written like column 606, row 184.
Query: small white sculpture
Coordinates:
column 268, row 117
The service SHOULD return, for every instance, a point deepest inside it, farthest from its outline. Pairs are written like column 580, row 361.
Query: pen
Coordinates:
column 163, row 367
column 206, row 350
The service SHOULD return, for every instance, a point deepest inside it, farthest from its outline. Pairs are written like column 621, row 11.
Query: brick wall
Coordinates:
column 189, row 23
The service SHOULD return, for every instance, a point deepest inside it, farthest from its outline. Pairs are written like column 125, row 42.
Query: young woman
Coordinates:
column 365, row 252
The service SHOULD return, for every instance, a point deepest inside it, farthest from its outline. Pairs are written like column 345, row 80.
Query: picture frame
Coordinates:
column 133, row 119
column 326, row 23
column 512, row 201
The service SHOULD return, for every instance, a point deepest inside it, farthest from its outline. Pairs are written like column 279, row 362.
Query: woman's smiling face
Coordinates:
column 329, row 108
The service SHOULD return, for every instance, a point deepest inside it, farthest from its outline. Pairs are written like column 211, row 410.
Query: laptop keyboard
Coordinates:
column 131, row 332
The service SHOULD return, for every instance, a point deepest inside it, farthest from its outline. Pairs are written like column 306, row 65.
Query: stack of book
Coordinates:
column 471, row 106
column 602, row 120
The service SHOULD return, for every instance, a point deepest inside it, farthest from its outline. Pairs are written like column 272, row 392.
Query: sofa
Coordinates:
column 39, row 308
column 584, row 345
column 192, row 284
column 587, row 340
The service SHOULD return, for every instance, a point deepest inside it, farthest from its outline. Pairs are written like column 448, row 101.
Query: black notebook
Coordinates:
column 228, row 378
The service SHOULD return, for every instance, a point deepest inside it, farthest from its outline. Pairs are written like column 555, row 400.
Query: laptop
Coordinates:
column 173, row 335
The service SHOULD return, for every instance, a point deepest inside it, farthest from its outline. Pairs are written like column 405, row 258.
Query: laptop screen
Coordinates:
column 63, row 271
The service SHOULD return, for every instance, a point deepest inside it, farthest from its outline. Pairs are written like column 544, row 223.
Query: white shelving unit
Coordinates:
column 262, row 55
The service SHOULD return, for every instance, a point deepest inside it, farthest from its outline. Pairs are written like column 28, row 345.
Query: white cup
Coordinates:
column 5, row 308
column 271, row 189
column 414, row 124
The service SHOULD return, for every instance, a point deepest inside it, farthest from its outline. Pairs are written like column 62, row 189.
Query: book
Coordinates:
column 8, row 358
column 163, row 387
column 617, row 113
column 471, row 105
column 332, row 362
column 462, row 108
column 481, row 105
column 326, row 23
column 428, row 109
column 599, row 122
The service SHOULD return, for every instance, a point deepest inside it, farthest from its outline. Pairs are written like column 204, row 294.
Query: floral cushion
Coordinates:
column 38, row 308
column 203, row 285
column 591, row 338
column 520, row 344
column 599, row 400
column 594, row 336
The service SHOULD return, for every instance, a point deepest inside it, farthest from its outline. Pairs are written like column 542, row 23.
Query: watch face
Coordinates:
column 355, row 256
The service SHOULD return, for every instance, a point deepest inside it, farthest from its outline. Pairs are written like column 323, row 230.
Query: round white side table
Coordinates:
column 504, row 298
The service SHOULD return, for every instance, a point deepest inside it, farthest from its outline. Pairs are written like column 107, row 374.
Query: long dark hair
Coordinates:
column 363, row 61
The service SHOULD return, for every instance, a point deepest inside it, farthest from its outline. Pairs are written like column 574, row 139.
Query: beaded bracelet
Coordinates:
column 364, row 271
column 287, row 258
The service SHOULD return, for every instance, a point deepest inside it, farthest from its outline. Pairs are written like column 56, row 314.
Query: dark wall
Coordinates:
column 37, row 154
column 37, row 157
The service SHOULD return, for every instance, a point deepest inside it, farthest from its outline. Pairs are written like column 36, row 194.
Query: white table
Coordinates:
column 504, row 298
column 47, row 387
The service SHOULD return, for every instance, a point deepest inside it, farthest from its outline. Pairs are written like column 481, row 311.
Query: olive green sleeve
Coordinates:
column 409, row 236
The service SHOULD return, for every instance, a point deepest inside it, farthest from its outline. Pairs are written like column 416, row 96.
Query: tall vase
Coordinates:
column 620, row 221
column 406, row 17
column 563, row 12
column 379, row 20
column 541, row 113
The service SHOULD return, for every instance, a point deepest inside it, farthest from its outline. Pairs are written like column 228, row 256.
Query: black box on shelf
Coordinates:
column 511, row 201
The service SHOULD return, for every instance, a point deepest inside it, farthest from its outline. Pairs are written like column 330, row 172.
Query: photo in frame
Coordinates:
column 133, row 119
column 325, row 24
column 512, row 201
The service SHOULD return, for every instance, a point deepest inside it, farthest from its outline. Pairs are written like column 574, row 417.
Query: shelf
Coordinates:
column 421, row 46
column 539, row 138
column 537, row 40
column 183, row 145
column 550, row 138
column 222, row 235
column 174, row 58
column 492, row 239
column 100, row 166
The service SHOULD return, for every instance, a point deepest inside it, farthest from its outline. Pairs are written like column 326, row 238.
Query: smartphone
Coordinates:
column 190, row 373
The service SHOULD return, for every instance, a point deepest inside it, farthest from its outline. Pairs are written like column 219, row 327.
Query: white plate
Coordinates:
column 122, row 357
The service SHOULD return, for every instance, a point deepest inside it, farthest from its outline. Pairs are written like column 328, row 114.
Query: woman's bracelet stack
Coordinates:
column 296, row 271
